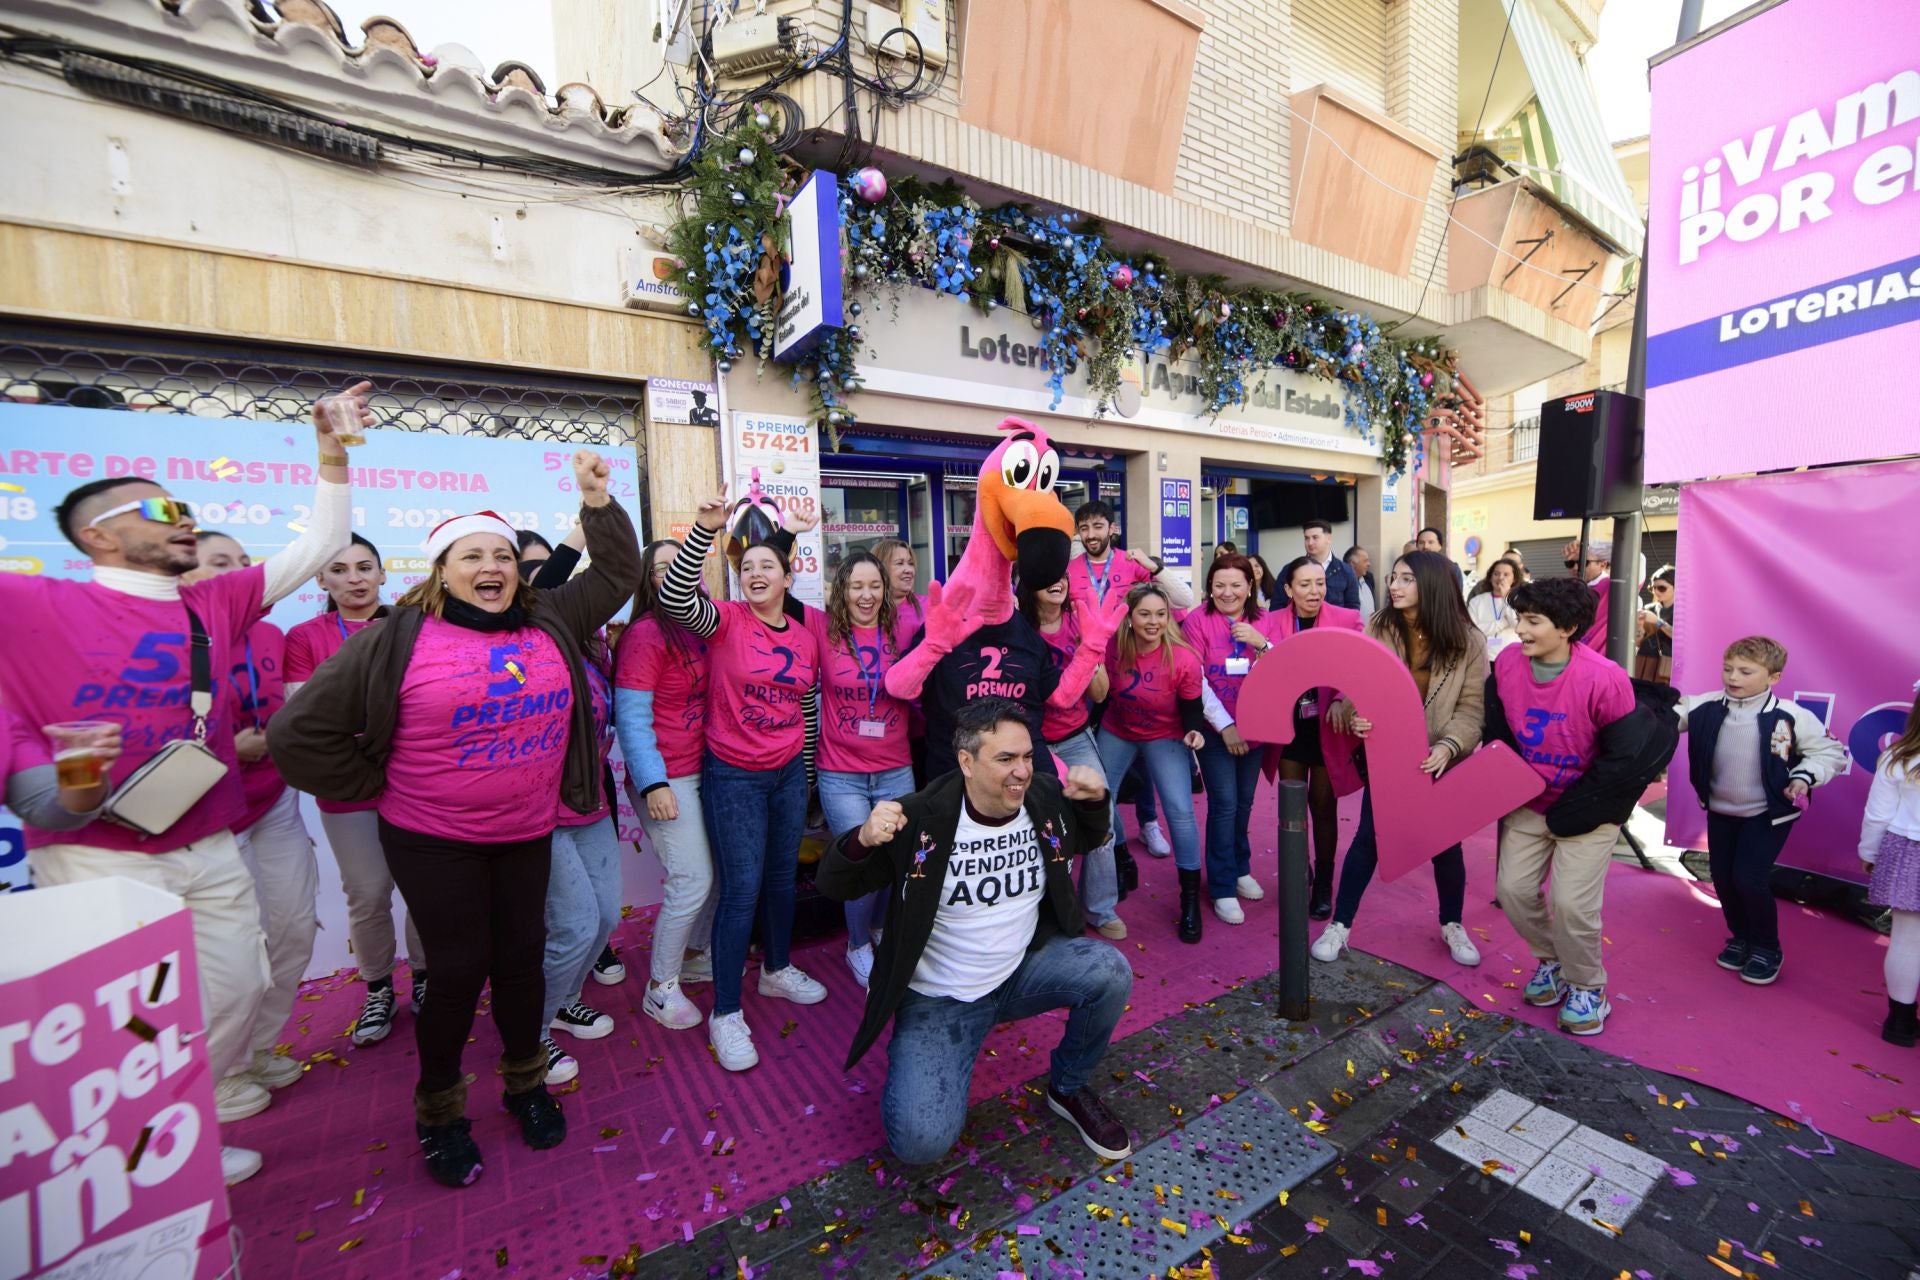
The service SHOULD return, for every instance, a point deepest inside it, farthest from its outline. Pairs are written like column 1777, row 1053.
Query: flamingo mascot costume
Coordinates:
column 1018, row 521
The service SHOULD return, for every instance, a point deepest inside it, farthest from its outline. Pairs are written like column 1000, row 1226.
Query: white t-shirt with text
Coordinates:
column 988, row 908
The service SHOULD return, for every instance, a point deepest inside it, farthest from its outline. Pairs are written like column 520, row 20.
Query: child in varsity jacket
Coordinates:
column 1752, row 758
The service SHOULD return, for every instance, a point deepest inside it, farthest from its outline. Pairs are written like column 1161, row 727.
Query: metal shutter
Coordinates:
column 1342, row 43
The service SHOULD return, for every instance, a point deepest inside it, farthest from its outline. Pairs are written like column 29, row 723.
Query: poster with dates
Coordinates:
column 783, row 453
column 254, row 480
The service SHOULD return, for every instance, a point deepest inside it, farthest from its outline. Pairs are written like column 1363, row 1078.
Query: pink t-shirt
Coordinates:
column 81, row 651
column 755, row 678
column 481, row 742
column 25, row 747
column 309, row 644
column 909, row 615
column 1057, row 722
column 863, row 729
column 676, row 675
column 257, row 687
column 1556, row 723
column 1211, row 635
column 1144, row 702
column 603, row 734
column 1095, row 582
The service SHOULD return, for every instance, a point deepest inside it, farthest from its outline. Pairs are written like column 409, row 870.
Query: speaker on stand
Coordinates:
column 1590, row 445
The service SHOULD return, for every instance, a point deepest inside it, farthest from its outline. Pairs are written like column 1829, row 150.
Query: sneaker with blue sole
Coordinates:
column 1546, row 987
column 1585, row 1012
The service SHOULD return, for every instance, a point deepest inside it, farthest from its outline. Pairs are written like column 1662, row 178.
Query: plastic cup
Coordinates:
column 343, row 415
column 79, row 757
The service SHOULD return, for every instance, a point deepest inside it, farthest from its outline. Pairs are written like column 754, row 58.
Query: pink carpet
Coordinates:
column 662, row 1141
column 1807, row 1047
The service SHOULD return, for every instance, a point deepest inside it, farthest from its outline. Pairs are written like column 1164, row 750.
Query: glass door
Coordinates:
column 962, row 493
column 857, row 512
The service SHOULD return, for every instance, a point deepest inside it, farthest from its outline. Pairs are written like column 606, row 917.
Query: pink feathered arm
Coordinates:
column 948, row 623
column 1097, row 625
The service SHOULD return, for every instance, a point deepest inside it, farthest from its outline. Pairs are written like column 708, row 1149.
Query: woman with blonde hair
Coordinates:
column 1155, row 714
column 470, row 715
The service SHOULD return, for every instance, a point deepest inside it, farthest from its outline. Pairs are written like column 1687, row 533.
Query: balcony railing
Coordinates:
column 1526, row 440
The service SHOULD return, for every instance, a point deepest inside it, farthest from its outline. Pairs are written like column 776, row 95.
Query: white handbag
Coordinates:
column 161, row 792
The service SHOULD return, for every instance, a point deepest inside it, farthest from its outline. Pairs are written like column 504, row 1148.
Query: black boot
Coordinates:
column 1127, row 869
column 440, row 1122
column 541, row 1122
column 1320, row 901
column 1190, row 906
column 1902, row 1026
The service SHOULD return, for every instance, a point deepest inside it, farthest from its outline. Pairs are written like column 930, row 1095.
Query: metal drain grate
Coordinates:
column 1250, row 1150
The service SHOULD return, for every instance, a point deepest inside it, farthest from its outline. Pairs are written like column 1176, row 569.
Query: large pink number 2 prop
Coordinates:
column 1415, row 816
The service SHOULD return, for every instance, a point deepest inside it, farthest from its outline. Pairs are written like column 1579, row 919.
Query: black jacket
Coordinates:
column 1629, row 755
column 1791, row 747
column 849, row 870
column 1343, row 586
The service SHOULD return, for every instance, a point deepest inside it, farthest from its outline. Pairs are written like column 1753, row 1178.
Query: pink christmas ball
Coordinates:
column 1122, row 276
column 869, row 184
column 1426, row 379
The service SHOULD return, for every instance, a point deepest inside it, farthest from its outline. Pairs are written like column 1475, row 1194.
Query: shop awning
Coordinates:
column 1579, row 163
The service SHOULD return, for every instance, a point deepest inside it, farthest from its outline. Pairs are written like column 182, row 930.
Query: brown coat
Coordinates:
column 333, row 739
column 1456, row 692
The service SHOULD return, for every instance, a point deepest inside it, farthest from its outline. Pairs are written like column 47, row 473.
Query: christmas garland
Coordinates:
column 1092, row 306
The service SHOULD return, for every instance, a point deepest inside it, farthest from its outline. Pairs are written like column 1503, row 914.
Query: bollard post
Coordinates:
column 1294, row 888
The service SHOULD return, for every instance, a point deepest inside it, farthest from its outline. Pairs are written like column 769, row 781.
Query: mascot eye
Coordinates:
column 1019, row 463
column 1049, row 471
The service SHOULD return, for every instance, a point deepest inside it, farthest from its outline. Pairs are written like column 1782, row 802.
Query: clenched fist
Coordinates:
column 885, row 822
column 590, row 476
column 1084, row 782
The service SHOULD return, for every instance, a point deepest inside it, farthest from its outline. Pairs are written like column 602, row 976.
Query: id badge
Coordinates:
column 1309, row 706
column 873, row 728
column 1238, row 666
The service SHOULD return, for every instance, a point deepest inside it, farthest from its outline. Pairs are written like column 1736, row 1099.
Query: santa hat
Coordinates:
column 448, row 532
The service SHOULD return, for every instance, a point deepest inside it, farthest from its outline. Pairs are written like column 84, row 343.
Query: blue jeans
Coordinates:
column 754, row 818
column 1356, row 873
column 1169, row 770
column 1231, row 781
column 1144, row 808
column 583, row 906
column 1099, row 878
column 846, row 799
column 936, row 1039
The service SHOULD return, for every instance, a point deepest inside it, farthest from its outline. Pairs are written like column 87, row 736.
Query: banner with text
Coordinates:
column 784, row 453
column 1847, row 626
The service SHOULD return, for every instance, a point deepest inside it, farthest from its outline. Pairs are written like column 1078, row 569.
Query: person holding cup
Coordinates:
column 59, row 785
column 120, row 646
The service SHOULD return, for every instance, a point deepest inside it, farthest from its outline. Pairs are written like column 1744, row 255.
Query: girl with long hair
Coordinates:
column 1226, row 633
column 469, row 714
column 1069, row 737
column 1890, row 855
column 863, row 756
column 762, row 670
column 1489, row 609
column 901, row 570
column 1318, row 754
column 1425, row 623
column 1154, row 714
column 660, row 714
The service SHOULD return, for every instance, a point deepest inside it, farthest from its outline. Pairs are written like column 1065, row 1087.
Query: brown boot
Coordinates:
column 440, row 1122
column 525, row 1074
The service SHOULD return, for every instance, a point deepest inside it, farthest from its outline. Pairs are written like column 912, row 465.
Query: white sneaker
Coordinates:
column 860, row 960
column 272, row 1071
column 791, row 984
column 1156, row 840
column 697, row 969
column 238, row 1096
column 732, row 1041
column 1455, row 936
column 561, row 1065
column 666, row 1006
column 582, row 1020
column 1331, row 942
column 237, row 1164
column 1249, row 888
column 1228, row 909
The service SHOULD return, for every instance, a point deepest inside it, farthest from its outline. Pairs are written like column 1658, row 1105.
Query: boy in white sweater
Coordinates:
column 1752, row 758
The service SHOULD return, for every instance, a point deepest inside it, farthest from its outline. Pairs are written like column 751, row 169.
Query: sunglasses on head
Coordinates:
column 158, row 510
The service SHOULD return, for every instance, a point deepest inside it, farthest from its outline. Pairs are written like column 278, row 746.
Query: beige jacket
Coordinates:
column 1456, row 693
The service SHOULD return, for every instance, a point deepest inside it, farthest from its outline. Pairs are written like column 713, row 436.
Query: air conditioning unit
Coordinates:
column 926, row 19
column 745, row 46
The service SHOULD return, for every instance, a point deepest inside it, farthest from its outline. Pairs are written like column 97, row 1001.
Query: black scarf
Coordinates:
column 474, row 618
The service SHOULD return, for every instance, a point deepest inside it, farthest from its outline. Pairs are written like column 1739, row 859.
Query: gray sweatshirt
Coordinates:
column 1739, row 789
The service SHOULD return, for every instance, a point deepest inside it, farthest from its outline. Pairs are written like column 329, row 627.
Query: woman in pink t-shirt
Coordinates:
column 660, row 714
column 1316, row 755
column 352, row 578
column 762, row 670
column 469, row 713
column 1154, row 714
column 909, row 615
column 1069, row 736
column 1227, row 634
column 863, row 756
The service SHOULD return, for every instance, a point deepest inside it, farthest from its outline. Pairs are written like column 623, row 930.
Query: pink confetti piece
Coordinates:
column 708, row 1140
column 605, row 1147
column 648, row 1176
column 1314, row 1228
column 1520, row 1270
column 686, row 1231
column 1363, row 1266
column 1028, row 1229
column 368, row 1212
column 1505, row 1246
column 1418, row 1220
column 326, row 1204
column 666, row 1136
column 1810, row 1243
column 1681, row 1178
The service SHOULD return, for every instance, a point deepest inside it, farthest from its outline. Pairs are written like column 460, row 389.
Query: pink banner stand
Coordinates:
column 109, row 1150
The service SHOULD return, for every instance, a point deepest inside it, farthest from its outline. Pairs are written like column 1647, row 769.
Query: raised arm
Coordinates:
column 558, row 567
column 680, row 589
column 1097, row 625
column 585, row 603
column 949, row 621
column 330, row 525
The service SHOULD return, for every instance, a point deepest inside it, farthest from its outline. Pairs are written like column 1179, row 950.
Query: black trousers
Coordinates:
column 1740, row 853
column 481, row 910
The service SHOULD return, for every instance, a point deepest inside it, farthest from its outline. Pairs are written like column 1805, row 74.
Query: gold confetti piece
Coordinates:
column 1701, row 1151
column 500, row 1256
column 359, row 1197
column 1526, row 1237
column 593, row 1260
column 1724, row 1249
column 1806, row 1208
column 1380, row 1216
column 11, row 488
column 357, row 1241
column 1242, row 1241
column 1288, row 1250
column 1729, row 1268
column 301, row 1237
column 1602, row 1222
column 377, row 1146
column 609, row 1131
column 1284, row 1196
column 1171, row 1225
column 1349, row 1068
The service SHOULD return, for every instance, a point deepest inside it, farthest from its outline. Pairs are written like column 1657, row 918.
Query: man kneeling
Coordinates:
column 984, row 927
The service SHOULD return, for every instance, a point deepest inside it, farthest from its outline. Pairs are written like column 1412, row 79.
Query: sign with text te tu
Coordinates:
column 811, row 301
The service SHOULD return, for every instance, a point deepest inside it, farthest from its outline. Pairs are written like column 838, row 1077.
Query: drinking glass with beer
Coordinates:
column 345, row 414
column 83, row 750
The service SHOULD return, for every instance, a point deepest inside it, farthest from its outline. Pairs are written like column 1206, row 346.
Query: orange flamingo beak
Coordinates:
column 1031, row 528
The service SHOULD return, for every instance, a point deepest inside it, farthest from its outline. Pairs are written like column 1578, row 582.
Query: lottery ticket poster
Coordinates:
column 783, row 454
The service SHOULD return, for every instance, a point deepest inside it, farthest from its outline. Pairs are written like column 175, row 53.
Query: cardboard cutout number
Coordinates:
column 1414, row 816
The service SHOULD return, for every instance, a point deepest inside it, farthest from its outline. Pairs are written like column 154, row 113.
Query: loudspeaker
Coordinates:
column 1590, row 456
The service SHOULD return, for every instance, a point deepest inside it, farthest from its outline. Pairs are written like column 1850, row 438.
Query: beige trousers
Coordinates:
column 211, row 877
column 279, row 853
column 1560, row 922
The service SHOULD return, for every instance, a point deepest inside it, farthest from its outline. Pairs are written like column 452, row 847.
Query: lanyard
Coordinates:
column 253, row 687
column 872, row 678
column 1238, row 648
column 341, row 623
column 1100, row 583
